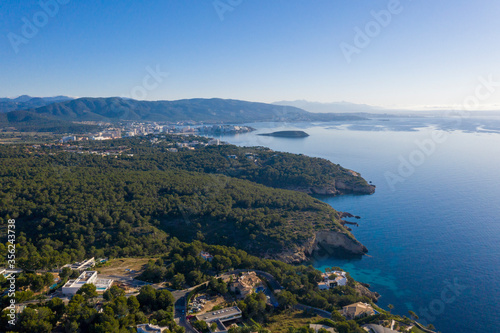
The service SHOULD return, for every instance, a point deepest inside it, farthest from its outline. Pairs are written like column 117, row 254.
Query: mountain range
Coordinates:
column 114, row 109
column 26, row 102
column 334, row 107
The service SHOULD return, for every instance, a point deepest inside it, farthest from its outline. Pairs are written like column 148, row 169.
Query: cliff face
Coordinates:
column 326, row 241
column 364, row 291
column 334, row 241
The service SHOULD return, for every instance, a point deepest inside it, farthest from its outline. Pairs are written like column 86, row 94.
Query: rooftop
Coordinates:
column 222, row 315
column 357, row 309
column 85, row 277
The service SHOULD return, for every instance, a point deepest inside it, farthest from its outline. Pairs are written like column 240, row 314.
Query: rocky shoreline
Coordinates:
column 339, row 188
column 324, row 242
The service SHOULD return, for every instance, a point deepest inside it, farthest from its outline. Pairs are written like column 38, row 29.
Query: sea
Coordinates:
column 432, row 227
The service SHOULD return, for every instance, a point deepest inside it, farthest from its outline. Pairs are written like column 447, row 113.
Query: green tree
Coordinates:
column 88, row 291
column 113, row 292
column 133, row 304
column 164, row 299
column 36, row 320
column 286, row 299
column 413, row 315
column 179, row 281
column 147, row 298
column 201, row 326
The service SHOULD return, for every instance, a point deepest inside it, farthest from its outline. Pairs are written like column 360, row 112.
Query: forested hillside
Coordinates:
column 68, row 206
column 257, row 164
column 26, row 121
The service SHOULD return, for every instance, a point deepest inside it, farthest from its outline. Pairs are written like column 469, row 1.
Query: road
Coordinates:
column 181, row 307
column 319, row 312
column 180, row 314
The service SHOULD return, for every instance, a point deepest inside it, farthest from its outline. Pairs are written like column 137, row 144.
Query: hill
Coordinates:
column 199, row 110
column 81, row 204
column 26, row 121
column 26, row 102
column 261, row 165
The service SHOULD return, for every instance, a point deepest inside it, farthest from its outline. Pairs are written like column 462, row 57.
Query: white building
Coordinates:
column 5, row 272
column 207, row 256
column 214, row 142
column 68, row 138
column 332, row 280
column 220, row 317
column 72, row 286
column 82, row 266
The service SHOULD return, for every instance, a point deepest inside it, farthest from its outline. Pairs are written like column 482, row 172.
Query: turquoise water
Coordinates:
column 433, row 234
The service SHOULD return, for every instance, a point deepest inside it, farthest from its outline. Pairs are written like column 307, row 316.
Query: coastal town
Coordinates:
column 130, row 129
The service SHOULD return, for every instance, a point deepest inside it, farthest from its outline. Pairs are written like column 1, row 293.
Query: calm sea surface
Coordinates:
column 433, row 226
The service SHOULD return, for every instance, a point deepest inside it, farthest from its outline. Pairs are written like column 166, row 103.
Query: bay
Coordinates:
column 433, row 226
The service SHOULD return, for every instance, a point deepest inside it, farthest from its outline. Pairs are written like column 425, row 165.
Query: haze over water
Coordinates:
column 434, row 239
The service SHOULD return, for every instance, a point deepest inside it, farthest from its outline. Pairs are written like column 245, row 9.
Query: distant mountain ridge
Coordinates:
column 198, row 109
column 25, row 102
column 337, row 107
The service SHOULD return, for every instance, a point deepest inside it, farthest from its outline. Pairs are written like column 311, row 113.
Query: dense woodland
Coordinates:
column 68, row 206
column 257, row 164
column 26, row 121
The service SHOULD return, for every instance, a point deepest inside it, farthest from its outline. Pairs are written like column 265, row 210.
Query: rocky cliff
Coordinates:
column 354, row 188
column 363, row 290
column 323, row 243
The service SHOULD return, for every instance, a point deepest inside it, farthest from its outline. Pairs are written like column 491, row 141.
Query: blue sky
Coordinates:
column 428, row 53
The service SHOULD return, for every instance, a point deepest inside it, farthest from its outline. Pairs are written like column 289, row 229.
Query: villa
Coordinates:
column 332, row 280
column 246, row 284
column 207, row 256
column 72, row 286
column 357, row 310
